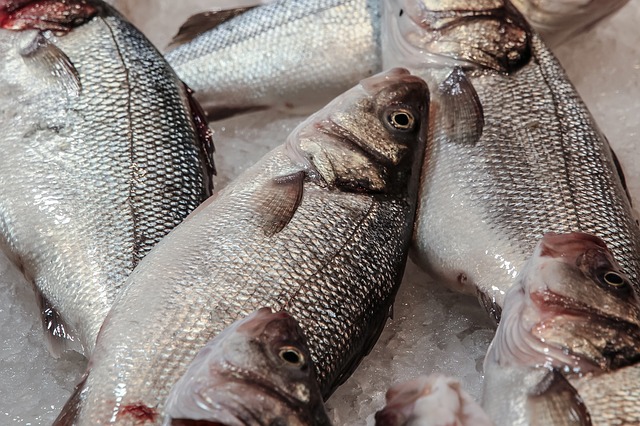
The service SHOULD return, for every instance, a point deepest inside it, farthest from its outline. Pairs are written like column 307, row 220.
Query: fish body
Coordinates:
column 257, row 371
column 571, row 313
column 559, row 20
column 288, row 55
column 521, row 156
column 319, row 228
column 101, row 157
column 433, row 400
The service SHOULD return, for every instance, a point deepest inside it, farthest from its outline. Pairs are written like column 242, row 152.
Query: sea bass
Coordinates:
column 559, row 20
column 513, row 152
column 433, row 400
column 291, row 55
column 103, row 152
column 297, row 55
column 571, row 312
column 320, row 227
column 257, row 371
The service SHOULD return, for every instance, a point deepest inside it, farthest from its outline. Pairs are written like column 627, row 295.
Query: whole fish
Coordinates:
column 513, row 152
column 291, row 55
column 320, row 227
column 297, row 55
column 559, row 20
column 433, row 400
column 103, row 152
column 571, row 312
column 257, row 371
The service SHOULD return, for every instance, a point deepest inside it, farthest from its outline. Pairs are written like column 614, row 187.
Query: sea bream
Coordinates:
column 257, row 371
column 513, row 152
column 319, row 227
column 297, row 55
column 103, row 152
column 571, row 320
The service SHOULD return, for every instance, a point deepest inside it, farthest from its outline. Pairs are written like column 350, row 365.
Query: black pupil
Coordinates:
column 401, row 119
column 291, row 357
column 613, row 278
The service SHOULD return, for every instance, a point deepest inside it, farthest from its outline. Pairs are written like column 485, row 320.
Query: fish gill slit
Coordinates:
column 134, row 219
column 330, row 259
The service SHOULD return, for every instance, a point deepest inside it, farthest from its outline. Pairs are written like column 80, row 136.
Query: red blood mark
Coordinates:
column 54, row 15
column 140, row 412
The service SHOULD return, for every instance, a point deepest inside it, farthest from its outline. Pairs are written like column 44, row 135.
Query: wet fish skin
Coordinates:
column 537, row 163
column 433, row 400
column 558, row 20
column 571, row 313
column 100, row 159
column 297, row 231
column 285, row 55
column 256, row 371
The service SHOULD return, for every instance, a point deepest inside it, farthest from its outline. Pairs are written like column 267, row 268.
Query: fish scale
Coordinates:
column 541, row 165
column 89, row 182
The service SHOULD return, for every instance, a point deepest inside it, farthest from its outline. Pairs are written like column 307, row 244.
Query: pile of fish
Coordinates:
column 472, row 148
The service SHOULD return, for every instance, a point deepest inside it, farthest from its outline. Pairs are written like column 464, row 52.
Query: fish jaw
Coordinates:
column 563, row 313
column 258, row 368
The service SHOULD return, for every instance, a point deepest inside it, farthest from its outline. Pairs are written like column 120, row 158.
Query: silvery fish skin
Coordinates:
column 319, row 228
column 288, row 55
column 559, row 20
column 434, row 400
column 100, row 159
column 571, row 313
column 257, row 371
column 513, row 151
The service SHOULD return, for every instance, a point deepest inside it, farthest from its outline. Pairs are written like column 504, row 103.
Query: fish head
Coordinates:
column 476, row 34
column 258, row 368
column 572, row 309
column 370, row 138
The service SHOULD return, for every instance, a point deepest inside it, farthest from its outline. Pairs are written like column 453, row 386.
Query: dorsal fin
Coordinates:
column 202, row 22
column 205, row 140
column 54, row 15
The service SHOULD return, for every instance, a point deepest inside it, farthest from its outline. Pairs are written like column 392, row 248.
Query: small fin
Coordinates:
column 51, row 63
column 54, row 15
column 555, row 402
column 281, row 202
column 202, row 22
column 205, row 139
column 461, row 117
column 217, row 112
column 620, row 172
column 58, row 335
column 71, row 409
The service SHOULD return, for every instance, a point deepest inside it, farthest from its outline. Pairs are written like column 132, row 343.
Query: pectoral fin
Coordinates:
column 51, row 64
column 555, row 402
column 280, row 202
column 461, row 117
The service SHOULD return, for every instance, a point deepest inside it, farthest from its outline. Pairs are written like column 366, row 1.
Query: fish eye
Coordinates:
column 613, row 279
column 401, row 119
column 291, row 356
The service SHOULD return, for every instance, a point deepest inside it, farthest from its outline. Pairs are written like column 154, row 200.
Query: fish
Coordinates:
column 292, row 56
column 558, row 20
column 434, row 400
column 296, row 56
column 257, row 371
column 513, row 152
column 104, row 151
column 319, row 227
column 572, row 312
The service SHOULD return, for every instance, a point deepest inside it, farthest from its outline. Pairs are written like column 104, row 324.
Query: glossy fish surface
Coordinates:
column 513, row 151
column 291, row 55
column 257, row 371
column 101, row 157
column 571, row 313
column 320, row 227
